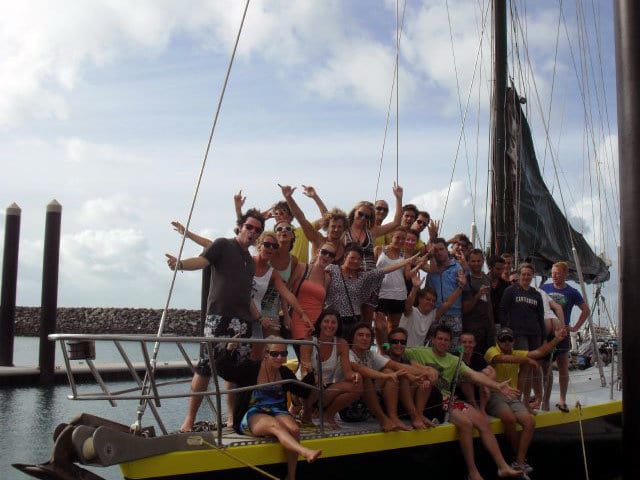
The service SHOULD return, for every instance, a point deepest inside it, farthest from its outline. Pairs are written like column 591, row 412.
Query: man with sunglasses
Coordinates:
column 506, row 361
column 230, row 309
column 414, row 391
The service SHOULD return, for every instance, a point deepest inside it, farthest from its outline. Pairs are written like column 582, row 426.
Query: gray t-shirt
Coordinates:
column 232, row 271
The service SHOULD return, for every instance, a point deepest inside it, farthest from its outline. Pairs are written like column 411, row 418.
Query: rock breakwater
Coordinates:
column 110, row 320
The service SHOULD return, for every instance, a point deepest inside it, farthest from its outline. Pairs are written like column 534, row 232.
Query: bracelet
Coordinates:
column 179, row 265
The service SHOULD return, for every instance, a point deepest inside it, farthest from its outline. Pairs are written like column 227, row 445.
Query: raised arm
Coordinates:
column 238, row 203
column 202, row 241
column 416, row 281
column 310, row 192
column 381, row 230
column 312, row 234
column 398, row 265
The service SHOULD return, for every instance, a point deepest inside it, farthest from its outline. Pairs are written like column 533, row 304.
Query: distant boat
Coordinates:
column 358, row 449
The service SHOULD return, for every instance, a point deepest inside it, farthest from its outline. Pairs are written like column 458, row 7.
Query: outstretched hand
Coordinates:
column 397, row 191
column 178, row 227
column 287, row 190
column 507, row 390
column 309, row 191
column 239, row 200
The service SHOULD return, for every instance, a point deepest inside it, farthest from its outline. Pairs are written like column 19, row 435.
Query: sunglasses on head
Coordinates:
column 395, row 341
column 382, row 209
column 329, row 253
column 284, row 229
column 252, row 228
column 278, row 353
column 364, row 215
column 272, row 245
column 505, row 339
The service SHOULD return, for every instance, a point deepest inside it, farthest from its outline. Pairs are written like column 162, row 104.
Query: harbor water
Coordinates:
column 29, row 415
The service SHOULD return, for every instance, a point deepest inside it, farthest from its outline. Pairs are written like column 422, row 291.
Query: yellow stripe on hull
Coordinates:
column 219, row 459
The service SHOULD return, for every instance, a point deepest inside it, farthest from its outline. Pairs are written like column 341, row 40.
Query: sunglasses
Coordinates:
column 278, row 353
column 505, row 339
column 252, row 228
column 395, row 341
column 284, row 229
column 329, row 253
column 271, row 245
column 421, row 222
column 364, row 215
column 382, row 209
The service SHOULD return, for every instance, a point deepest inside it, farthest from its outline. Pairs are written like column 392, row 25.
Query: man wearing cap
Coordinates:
column 506, row 361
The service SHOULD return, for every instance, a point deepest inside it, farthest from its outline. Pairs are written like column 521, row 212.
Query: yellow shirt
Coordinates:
column 505, row 371
column 300, row 248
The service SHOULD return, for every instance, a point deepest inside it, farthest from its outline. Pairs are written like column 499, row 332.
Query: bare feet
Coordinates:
column 507, row 471
column 311, row 455
column 475, row 476
column 418, row 424
column 400, row 425
column 187, row 425
column 387, row 425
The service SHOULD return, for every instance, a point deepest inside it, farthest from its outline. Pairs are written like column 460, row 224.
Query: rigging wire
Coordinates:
column 142, row 405
column 462, row 125
column 386, row 125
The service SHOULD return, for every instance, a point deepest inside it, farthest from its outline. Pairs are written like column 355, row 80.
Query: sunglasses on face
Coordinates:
column 284, row 229
column 252, row 228
column 421, row 222
column 506, row 339
column 395, row 341
column 271, row 245
column 382, row 209
column 329, row 253
column 278, row 353
column 364, row 215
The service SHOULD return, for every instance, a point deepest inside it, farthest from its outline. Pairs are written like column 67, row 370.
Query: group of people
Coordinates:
column 352, row 281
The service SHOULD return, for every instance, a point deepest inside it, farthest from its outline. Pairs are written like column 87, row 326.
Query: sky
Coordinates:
column 108, row 106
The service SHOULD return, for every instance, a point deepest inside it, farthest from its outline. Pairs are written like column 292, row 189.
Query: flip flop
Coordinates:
column 562, row 407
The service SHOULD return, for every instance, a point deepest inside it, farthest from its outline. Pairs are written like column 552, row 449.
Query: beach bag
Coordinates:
column 356, row 412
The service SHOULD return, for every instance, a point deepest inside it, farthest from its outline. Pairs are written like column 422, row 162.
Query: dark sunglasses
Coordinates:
column 382, row 209
column 252, row 228
column 395, row 341
column 278, row 353
column 329, row 253
column 420, row 221
column 505, row 339
column 273, row 246
column 284, row 229
column 364, row 215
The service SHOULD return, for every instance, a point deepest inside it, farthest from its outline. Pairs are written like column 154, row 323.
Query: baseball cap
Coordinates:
column 504, row 332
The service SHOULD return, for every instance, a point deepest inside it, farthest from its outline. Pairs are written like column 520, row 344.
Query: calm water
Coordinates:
column 28, row 416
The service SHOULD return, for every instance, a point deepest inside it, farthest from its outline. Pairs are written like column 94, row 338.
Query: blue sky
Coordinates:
column 107, row 107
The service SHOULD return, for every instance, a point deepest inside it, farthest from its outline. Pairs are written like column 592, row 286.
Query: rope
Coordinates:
column 239, row 460
column 156, row 348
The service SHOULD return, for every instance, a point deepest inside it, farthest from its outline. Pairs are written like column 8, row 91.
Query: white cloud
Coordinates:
column 78, row 150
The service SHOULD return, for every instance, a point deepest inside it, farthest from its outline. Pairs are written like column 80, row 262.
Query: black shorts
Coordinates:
column 388, row 305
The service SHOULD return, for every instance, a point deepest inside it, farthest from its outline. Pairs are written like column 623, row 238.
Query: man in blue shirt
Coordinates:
column 444, row 277
column 567, row 297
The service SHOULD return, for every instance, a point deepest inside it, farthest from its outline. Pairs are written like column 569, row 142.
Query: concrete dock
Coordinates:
column 29, row 375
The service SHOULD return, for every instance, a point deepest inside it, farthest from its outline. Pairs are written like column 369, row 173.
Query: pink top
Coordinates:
column 311, row 299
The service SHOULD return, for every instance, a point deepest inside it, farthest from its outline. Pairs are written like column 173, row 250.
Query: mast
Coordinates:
column 499, row 22
column 627, row 37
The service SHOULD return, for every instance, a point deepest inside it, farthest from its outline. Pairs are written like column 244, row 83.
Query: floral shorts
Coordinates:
column 222, row 326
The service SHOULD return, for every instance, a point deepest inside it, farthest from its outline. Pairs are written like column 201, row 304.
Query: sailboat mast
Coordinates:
column 627, row 36
column 499, row 22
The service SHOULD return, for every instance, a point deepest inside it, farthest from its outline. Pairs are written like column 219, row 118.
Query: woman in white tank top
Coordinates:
column 334, row 359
